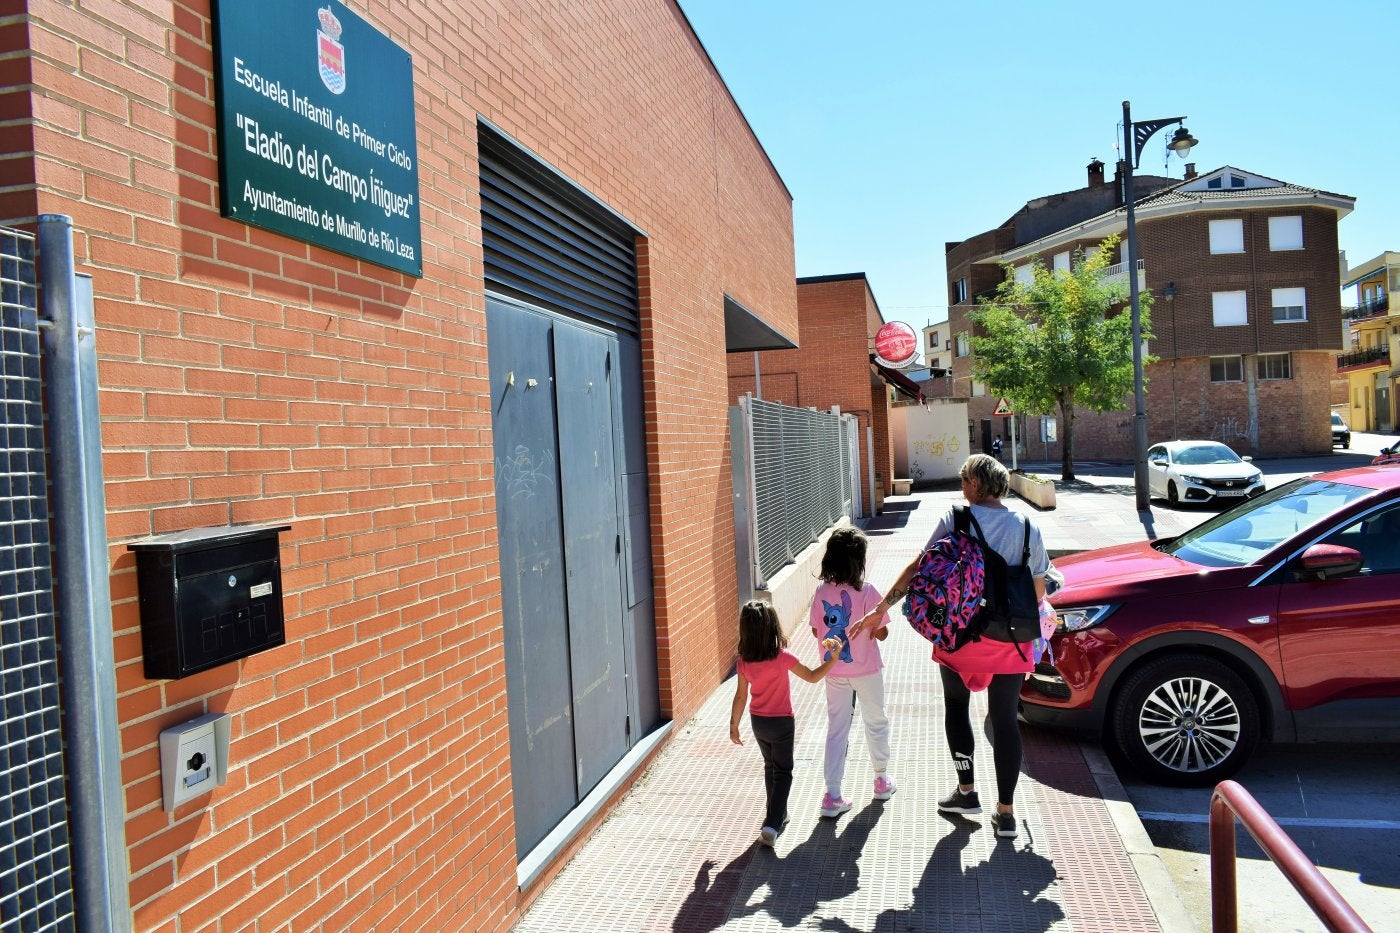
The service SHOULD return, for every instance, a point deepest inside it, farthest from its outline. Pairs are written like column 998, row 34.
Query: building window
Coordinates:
column 1227, row 236
column 959, row 293
column 1290, row 304
column 978, row 389
column 1228, row 309
column 1213, row 183
column 1226, row 369
column 1062, row 262
column 1275, row 366
column 962, row 349
column 1285, row 233
column 1025, row 275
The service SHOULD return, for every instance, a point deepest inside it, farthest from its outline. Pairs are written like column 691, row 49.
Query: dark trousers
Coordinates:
column 775, row 736
column 1002, row 698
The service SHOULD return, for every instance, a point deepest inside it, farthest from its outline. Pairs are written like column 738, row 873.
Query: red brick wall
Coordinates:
column 247, row 377
column 831, row 366
column 1182, row 403
column 1177, row 250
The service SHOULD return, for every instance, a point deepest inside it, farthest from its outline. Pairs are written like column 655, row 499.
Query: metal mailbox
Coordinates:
column 208, row 596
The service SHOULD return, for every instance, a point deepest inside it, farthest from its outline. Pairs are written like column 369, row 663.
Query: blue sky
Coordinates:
column 901, row 125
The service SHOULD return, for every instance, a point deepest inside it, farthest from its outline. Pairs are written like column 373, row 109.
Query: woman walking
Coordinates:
column 999, row 667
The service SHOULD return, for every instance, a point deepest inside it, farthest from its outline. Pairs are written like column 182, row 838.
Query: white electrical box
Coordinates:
column 193, row 758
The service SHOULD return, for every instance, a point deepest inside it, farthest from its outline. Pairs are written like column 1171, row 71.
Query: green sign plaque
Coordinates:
column 317, row 138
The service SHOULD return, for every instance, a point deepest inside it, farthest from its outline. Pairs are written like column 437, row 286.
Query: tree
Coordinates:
column 1057, row 342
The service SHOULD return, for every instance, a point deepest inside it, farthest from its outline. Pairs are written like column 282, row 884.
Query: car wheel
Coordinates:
column 1172, row 496
column 1186, row 720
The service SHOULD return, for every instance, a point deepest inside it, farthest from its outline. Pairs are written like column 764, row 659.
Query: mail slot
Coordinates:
column 208, row 596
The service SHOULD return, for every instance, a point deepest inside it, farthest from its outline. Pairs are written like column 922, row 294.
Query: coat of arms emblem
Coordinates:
column 330, row 53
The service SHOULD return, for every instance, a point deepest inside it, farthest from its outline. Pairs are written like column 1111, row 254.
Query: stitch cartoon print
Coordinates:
column 836, row 619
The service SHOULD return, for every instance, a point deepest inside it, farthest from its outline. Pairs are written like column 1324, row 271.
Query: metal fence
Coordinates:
column 799, row 482
column 35, row 865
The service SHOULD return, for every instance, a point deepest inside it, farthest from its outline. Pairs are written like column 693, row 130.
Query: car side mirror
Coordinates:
column 1325, row 561
column 1247, row 458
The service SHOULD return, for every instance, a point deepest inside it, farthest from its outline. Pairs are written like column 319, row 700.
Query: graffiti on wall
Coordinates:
column 1227, row 430
column 935, row 455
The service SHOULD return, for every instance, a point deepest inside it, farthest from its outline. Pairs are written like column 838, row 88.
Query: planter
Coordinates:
column 1039, row 493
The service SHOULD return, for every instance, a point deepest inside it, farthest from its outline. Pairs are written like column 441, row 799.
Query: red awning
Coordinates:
column 902, row 383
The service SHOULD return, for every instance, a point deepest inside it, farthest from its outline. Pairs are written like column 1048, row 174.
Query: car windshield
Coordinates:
column 1252, row 529
column 1206, row 454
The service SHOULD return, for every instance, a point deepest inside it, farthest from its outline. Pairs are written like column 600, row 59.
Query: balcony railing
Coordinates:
column 1375, row 307
column 1363, row 357
column 1118, row 272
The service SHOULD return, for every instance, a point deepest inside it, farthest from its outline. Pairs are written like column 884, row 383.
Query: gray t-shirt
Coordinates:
column 1003, row 530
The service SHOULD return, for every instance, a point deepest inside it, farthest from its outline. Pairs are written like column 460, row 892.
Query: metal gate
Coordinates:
column 36, row 885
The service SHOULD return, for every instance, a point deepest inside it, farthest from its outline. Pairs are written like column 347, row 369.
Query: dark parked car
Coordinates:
column 1278, row 619
column 1341, row 432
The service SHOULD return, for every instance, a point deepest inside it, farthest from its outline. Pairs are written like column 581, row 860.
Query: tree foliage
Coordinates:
column 1057, row 342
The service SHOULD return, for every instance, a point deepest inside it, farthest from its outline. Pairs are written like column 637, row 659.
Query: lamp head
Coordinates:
column 1182, row 141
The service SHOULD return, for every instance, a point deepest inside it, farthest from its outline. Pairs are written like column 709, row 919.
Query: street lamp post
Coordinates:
column 1135, row 136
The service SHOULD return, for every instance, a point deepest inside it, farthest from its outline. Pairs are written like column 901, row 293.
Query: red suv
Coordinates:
column 1278, row 619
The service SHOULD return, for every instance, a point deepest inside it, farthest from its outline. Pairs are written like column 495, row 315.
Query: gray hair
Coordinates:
column 991, row 477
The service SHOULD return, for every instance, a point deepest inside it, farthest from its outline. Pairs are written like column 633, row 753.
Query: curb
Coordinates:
column 1156, row 881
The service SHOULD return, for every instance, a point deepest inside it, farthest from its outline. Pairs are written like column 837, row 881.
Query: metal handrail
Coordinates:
column 1231, row 800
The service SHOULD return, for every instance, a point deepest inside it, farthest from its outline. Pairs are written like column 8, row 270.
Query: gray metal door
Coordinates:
column 583, row 372
column 554, row 404
column 529, row 515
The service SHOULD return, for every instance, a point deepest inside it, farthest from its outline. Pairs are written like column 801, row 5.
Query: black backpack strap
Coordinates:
column 970, row 525
column 1026, row 542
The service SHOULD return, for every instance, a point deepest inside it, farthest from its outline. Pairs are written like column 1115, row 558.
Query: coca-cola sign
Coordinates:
column 896, row 343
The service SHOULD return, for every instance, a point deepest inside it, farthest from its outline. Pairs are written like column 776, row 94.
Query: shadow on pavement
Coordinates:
column 706, row 907
column 951, row 897
column 823, row 867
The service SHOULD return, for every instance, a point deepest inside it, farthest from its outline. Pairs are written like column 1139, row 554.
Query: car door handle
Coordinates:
column 1260, row 620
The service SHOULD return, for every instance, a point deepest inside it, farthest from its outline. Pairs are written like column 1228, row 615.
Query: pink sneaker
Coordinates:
column 884, row 787
column 834, row 806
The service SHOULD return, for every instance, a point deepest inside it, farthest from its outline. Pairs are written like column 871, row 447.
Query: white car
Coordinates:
column 1201, row 471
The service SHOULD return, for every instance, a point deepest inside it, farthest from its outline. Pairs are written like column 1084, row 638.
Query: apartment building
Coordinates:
column 1369, row 364
column 1247, row 317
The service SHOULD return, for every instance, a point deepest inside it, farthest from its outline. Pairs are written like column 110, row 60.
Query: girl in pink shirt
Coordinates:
column 844, row 598
column 764, row 663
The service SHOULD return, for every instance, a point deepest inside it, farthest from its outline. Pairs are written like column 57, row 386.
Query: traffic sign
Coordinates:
column 1003, row 408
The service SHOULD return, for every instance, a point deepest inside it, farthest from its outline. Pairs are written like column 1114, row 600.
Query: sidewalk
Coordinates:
column 679, row 851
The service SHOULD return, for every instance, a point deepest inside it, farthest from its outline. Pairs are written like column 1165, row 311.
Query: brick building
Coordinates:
column 839, row 318
column 443, row 437
column 1244, row 270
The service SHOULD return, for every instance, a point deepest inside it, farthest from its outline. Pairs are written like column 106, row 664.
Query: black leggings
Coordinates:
column 775, row 736
column 1002, row 698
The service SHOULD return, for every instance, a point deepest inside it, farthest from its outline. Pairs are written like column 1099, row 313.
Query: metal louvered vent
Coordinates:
column 800, row 461
column 549, row 243
column 35, row 873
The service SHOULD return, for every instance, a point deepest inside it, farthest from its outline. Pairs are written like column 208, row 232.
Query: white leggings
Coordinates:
column 841, row 695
